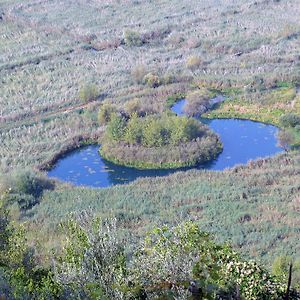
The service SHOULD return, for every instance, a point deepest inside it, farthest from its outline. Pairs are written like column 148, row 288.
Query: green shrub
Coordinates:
column 105, row 112
column 138, row 73
column 88, row 93
column 133, row 38
column 24, row 187
column 152, row 80
column 280, row 268
column 193, row 62
column 290, row 120
column 116, row 127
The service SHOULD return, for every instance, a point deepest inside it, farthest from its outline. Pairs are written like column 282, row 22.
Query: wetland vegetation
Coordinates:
column 61, row 61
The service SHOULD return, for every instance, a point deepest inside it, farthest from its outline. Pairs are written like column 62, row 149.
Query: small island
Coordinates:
column 158, row 141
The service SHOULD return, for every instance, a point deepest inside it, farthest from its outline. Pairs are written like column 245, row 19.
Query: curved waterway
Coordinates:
column 242, row 140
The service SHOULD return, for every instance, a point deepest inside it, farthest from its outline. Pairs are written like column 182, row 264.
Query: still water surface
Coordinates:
column 242, row 140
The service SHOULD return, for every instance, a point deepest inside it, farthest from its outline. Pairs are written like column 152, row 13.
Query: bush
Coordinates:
column 165, row 141
column 88, row 93
column 24, row 187
column 116, row 127
column 193, row 62
column 152, row 80
column 138, row 73
column 290, row 120
column 133, row 106
column 105, row 112
column 133, row 38
column 285, row 139
column 280, row 268
column 197, row 102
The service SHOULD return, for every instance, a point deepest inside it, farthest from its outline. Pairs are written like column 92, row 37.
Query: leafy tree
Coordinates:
column 26, row 280
column 116, row 127
column 134, row 130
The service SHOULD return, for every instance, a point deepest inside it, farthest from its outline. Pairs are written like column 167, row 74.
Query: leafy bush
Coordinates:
column 152, row 80
column 133, row 106
column 24, row 187
column 158, row 141
column 154, row 131
column 285, row 139
column 280, row 268
column 105, row 112
column 138, row 73
column 290, row 120
column 193, row 62
column 116, row 127
column 133, row 38
column 94, row 265
column 88, row 93
column 197, row 102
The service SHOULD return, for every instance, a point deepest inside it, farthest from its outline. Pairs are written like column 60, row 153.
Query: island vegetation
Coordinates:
column 165, row 141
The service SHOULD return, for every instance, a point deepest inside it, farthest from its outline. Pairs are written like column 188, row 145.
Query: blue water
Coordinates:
column 242, row 140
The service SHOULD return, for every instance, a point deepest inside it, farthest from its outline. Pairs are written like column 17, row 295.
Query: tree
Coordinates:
column 116, row 127
column 25, row 279
column 134, row 130
column 290, row 120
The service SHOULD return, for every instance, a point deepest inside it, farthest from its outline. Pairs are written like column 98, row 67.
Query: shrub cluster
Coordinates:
column 290, row 120
column 197, row 103
column 24, row 188
column 154, row 131
column 88, row 92
column 165, row 141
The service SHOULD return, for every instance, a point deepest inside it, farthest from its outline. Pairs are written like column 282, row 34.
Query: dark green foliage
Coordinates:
column 290, row 120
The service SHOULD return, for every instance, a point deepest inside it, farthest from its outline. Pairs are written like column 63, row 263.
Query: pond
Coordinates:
column 243, row 140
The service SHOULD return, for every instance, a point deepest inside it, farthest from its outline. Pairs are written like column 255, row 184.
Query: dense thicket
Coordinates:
column 165, row 141
column 182, row 262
